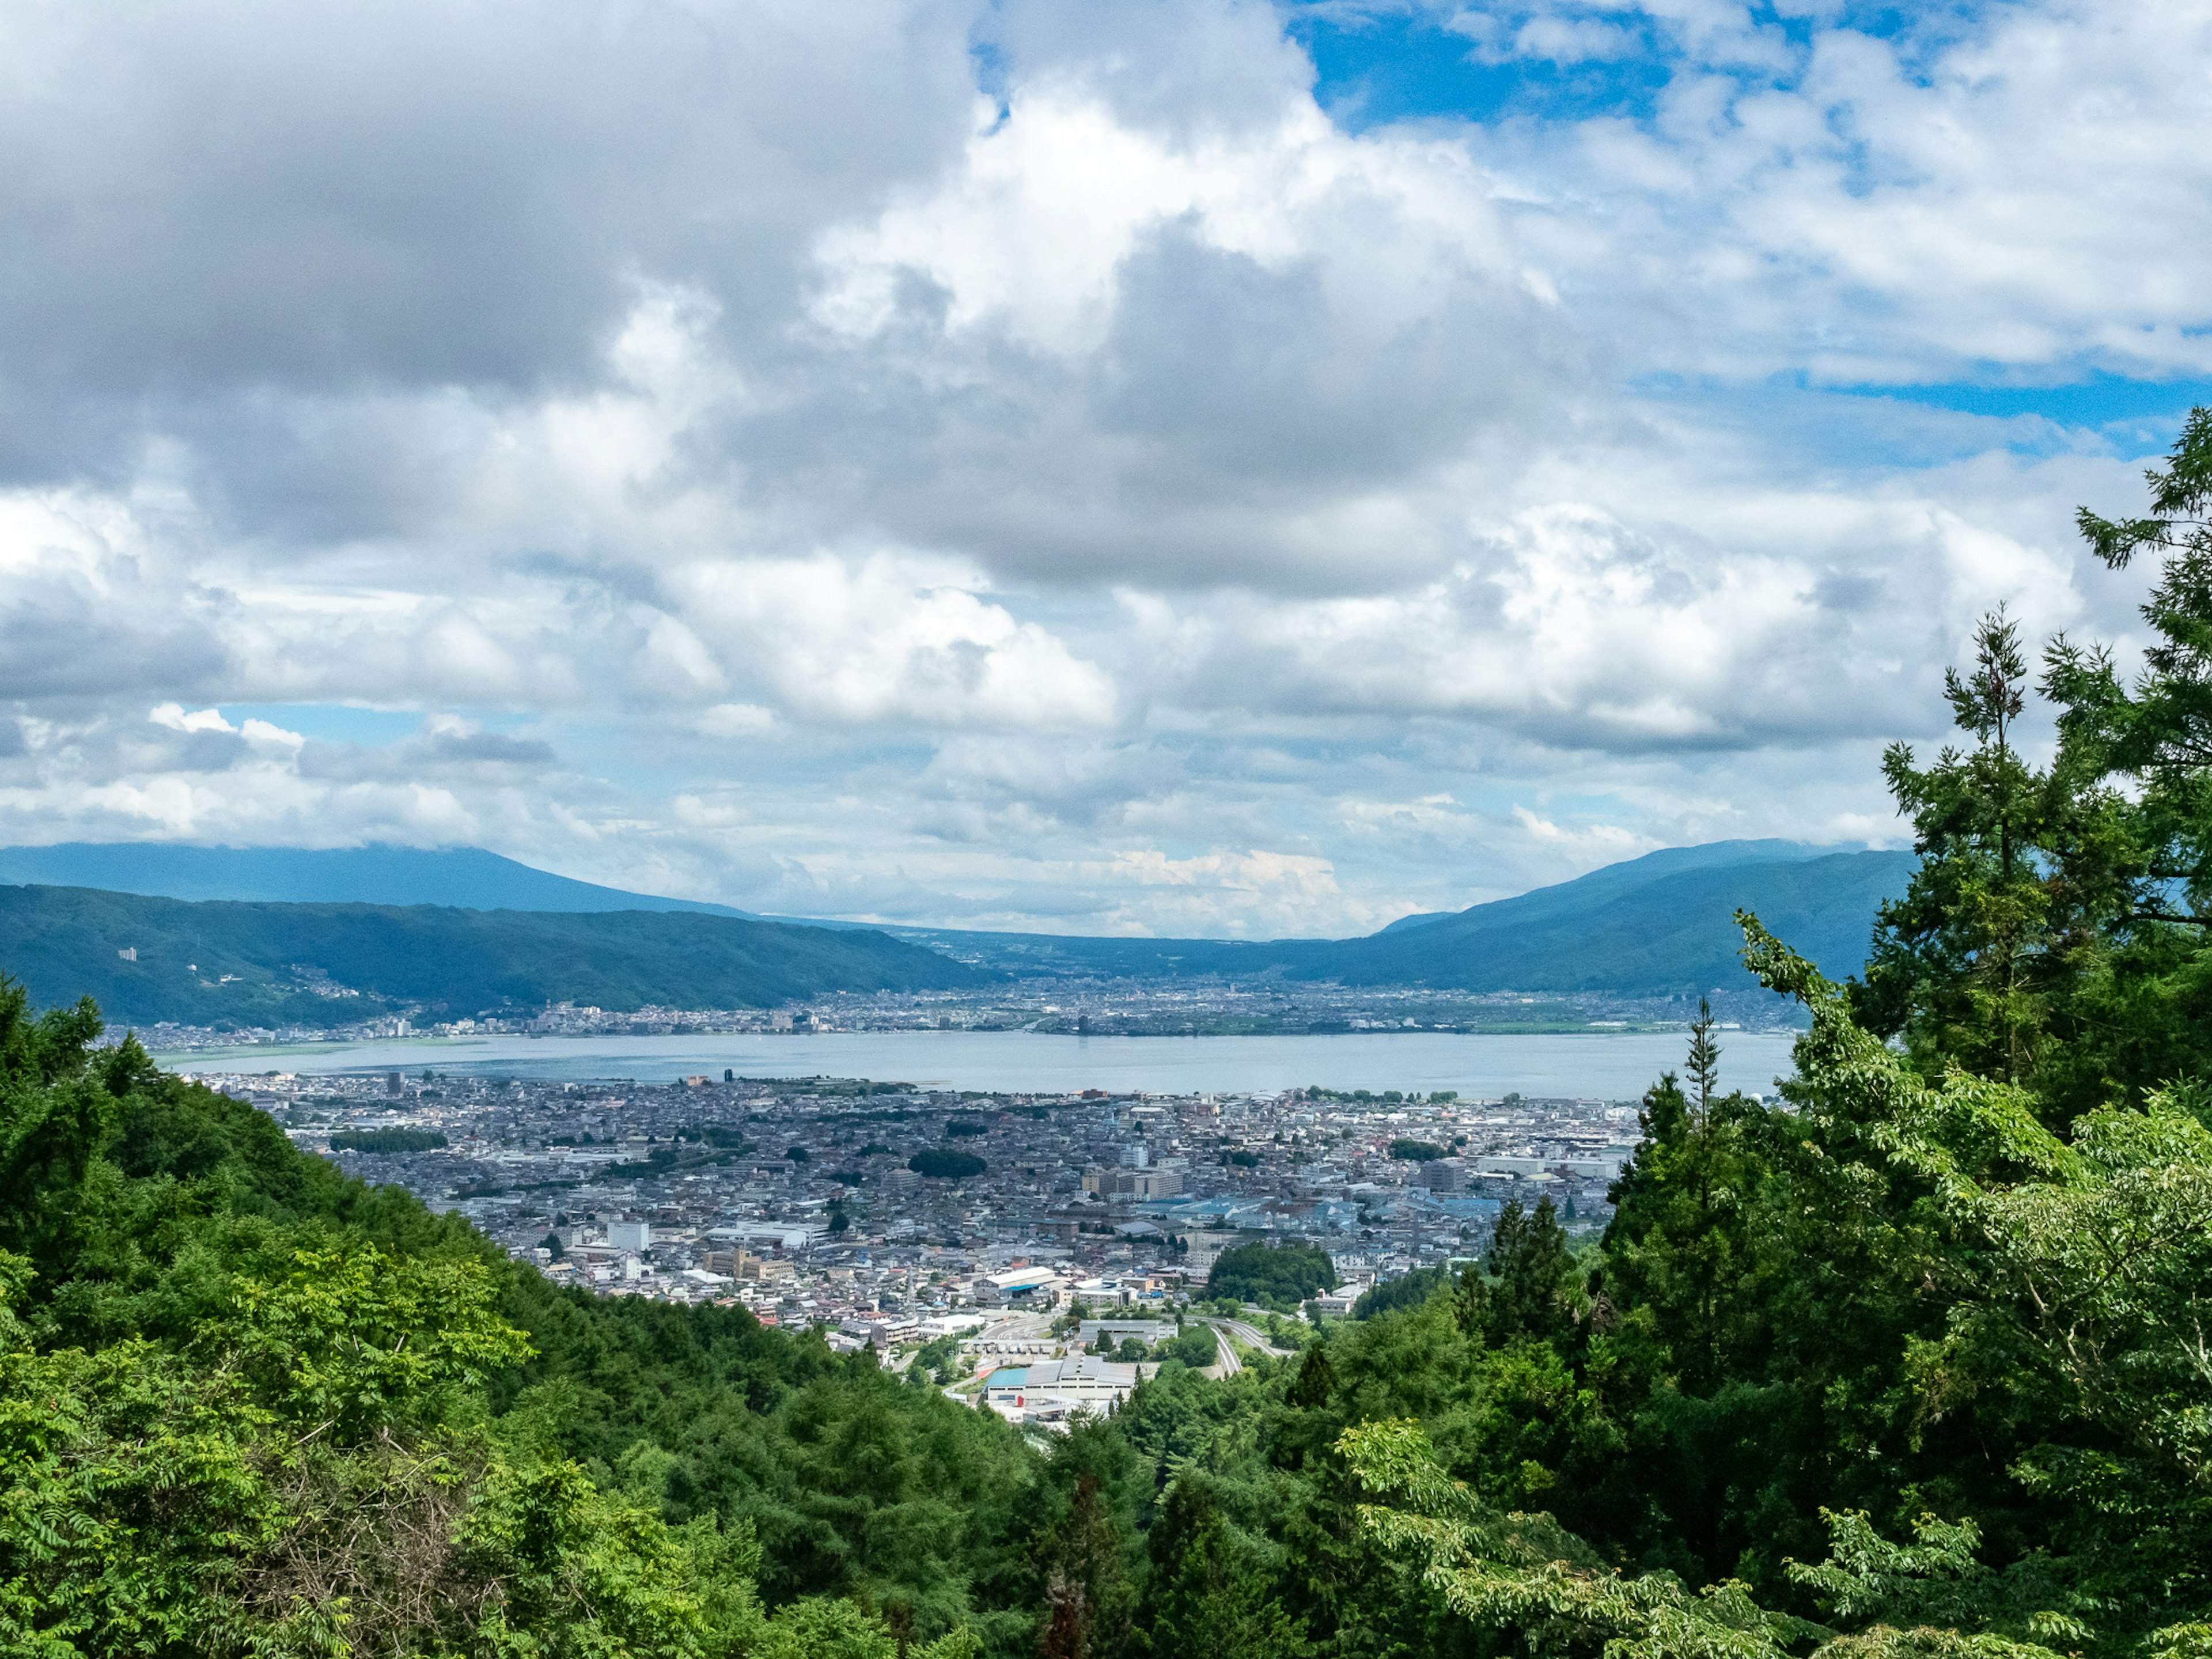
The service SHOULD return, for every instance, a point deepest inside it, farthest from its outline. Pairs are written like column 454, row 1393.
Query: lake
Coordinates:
column 1611, row 1065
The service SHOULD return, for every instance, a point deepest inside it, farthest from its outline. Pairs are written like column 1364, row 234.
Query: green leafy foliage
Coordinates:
column 248, row 1404
column 1420, row 1152
column 1409, row 1290
column 387, row 1141
column 1278, row 1276
column 941, row 1165
column 1195, row 1345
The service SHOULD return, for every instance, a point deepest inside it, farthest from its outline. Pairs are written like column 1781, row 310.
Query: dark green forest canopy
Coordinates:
column 387, row 1141
column 943, row 1164
column 1409, row 1290
column 1908, row 1366
column 1278, row 1276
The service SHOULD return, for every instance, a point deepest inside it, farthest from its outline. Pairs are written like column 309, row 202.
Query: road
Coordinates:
column 1231, row 1362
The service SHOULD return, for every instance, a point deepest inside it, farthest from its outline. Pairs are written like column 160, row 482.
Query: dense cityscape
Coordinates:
column 895, row 1216
column 1052, row 1006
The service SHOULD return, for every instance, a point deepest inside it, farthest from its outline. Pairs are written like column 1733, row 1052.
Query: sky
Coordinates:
column 1184, row 468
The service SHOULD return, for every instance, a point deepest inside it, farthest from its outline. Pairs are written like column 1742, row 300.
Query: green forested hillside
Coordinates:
column 249, row 1406
column 1899, row 1364
column 1674, row 934
column 1662, row 924
column 208, row 962
column 1912, row 1365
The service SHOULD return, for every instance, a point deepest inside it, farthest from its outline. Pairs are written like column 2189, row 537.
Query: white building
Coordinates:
column 1051, row 1391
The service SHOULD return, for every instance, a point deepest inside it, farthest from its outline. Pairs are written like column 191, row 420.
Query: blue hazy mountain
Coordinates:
column 464, row 878
column 216, row 962
column 1654, row 924
column 1615, row 880
column 1660, row 924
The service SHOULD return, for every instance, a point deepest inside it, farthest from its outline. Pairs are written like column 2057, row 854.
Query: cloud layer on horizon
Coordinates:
column 1028, row 466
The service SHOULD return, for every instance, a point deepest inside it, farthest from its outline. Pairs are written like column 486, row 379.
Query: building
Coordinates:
column 1040, row 1287
column 1051, row 1391
column 1444, row 1174
column 1133, row 1183
column 1123, row 1291
column 1523, row 1164
column 630, row 1235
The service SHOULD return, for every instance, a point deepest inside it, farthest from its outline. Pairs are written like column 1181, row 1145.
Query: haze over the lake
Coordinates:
column 1189, row 467
column 1477, row 1067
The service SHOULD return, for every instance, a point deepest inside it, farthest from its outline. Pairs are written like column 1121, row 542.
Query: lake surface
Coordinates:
column 1612, row 1067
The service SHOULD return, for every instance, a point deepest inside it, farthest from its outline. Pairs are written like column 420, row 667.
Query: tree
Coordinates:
column 1966, row 963
column 1524, row 1294
column 939, row 1164
column 1278, row 1276
column 2138, row 867
column 1409, row 1290
column 1204, row 1594
column 1680, row 1243
column 1087, row 1593
column 2056, row 932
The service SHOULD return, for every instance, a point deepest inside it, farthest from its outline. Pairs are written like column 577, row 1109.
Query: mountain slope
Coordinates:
column 1675, row 932
column 466, row 876
column 209, row 962
column 1615, row 880
column 1663, row 923
column 1659, row 923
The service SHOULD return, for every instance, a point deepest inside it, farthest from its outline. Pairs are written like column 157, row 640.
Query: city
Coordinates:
column 893, row 1216
column 1198, row 1007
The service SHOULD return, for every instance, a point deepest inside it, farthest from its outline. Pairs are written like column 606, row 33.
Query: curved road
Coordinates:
column 1231, row 1362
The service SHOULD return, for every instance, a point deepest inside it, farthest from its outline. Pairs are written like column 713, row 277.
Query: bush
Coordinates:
column 941, row 1165
column 387, row 1141
column 1278, row 1276
column 1194, row 1346
column 1409, row 1291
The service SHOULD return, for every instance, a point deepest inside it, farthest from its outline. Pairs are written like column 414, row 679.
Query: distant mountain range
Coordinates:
column 1662, row 924
column 473, row 930
column 215, row 962
column 467, row 878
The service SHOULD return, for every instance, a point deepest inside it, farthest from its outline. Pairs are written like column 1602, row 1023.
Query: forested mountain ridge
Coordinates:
column 213, row 962
column 1613, row 880
column 1658, row 924
column 1673, row 932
